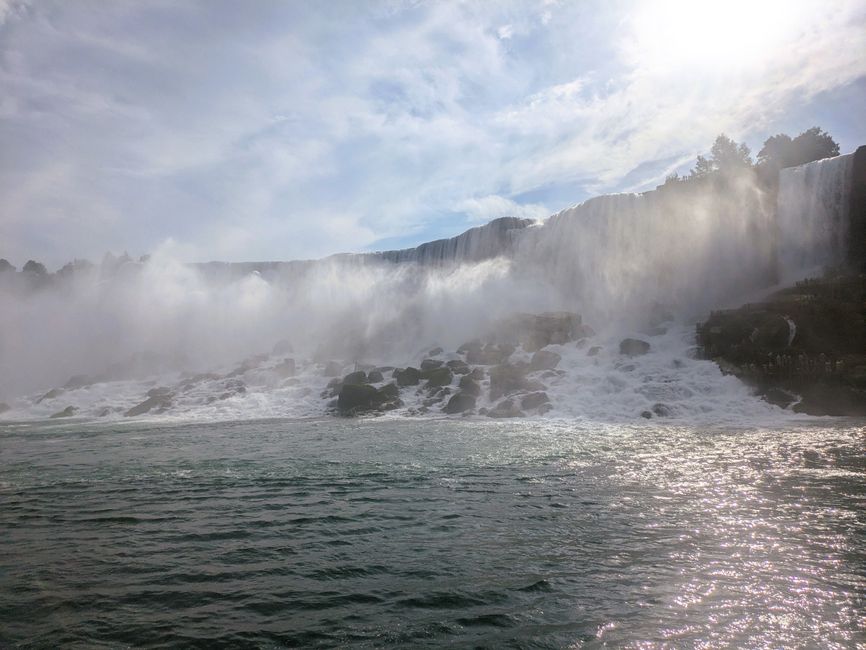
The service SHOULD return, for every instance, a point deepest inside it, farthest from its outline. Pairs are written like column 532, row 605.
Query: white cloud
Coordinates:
column 490, row 207
column 277, row 131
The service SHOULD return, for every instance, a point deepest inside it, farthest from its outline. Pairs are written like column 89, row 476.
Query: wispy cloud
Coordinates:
column 283, row 130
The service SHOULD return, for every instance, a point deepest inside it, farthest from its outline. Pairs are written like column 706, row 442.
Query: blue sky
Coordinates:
column 283, row 130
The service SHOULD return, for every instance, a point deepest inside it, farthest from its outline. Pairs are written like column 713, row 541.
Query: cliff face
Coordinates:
column 805, row 346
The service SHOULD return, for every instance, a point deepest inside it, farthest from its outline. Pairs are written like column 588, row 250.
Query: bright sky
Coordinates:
column 276, row 130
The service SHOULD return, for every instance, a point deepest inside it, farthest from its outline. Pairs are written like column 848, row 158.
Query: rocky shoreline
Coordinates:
column 802, row 348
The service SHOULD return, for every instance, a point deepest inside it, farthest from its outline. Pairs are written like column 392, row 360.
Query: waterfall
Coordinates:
column 813, row 213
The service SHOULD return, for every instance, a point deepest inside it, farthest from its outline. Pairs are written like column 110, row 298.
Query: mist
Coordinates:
column 617, row 260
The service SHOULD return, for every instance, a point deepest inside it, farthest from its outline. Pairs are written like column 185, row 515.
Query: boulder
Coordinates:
column 593, row 351
column 459, row 403
column 51, row 394
column 158, row 403
column 544, row 360
column 357, row 377
column 458, row 367
column 78, row 381
column 430, row 364
column 281, row 347
column 407, row 377
column 68, row 412
column 285, row 368
column 374, row 377
column 544, row 408
column 505, row 409
column 535, row 331
column 478, row 374
column 510, row 378
column 438, row 377
column 662, row 410
column 490, row 354
column 633, row 347
column 469, row 386
column 780, row 397
column 470, row 345
column 355, row 399
column 435, row 352
column 533, row 400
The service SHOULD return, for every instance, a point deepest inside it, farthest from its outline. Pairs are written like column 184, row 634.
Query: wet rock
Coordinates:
column 475, row 344
column 157, row 403
column 535, row 331
column 78, row 381
column 51, row 394
column 430, row 364
column 633, row 347
column 332, row 369
column 490, row 354
column 438, row 377
column 593, row 351
column 333, row 388
column 408, row 376
column 545, row 408
column 510, row 378
column 533, row 400
column 458, row 367
column 662, row 410
column 159, row 391
column 281, row 347
column 544, row 360
column 478, row 374
column 459, row 403
column 435, row 352
column 68, row 412
column 285, row 368
column 583, row 332
column 356, row 399
column 505, row 409
column 469, row 386
column 383, row 369
column 357, row 377
column 104, row 412
column 374, row 377
column 780, row 397
column 646, row 414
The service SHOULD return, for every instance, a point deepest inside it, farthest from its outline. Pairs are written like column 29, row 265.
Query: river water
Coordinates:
column 423, row 533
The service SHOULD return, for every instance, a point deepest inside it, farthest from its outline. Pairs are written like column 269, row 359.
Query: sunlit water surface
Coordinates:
column 432, row 532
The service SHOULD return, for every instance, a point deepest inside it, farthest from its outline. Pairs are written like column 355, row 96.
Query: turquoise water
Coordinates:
column 424, row 533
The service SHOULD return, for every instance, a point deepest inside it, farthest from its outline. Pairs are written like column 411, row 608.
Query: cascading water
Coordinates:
column 812, row 215
column 619, row 260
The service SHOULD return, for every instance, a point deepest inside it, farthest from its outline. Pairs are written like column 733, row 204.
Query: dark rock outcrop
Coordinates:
column 357, row 399
column 460, row 403
column 438, row 377
column 544, row 360
column 157, row 403
column 51, row 394
column 505, row 409
column 633, row 347
column 407, row 376
column 803, row 347
column 469, row 386
column 510, row 378
column 534, row 400
column 68, row 412
column 431, row 364
column 357, row 377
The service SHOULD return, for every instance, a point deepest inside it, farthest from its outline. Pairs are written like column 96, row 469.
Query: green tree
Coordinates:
column 780, row 151
column 725, row 156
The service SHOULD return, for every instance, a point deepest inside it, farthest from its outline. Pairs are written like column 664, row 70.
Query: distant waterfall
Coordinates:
column 812, row 214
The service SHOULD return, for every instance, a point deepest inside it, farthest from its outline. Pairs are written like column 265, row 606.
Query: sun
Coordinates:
column 735, row 34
